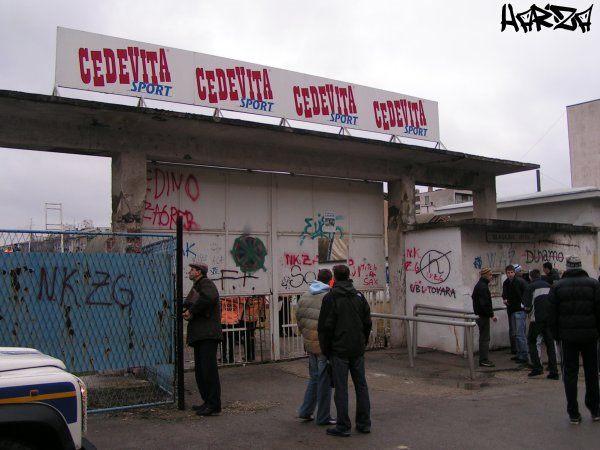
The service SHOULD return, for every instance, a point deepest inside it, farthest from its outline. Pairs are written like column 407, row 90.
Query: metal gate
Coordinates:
column 102, row 303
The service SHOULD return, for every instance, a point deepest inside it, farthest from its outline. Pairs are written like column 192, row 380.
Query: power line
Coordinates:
column 545, row 134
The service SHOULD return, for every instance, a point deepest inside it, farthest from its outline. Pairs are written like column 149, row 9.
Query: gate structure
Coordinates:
column 264, row 237
column 104, row 305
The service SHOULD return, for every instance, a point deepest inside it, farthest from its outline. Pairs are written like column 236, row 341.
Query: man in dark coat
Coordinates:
column 202, row 309
column 513, row 290
column 550, row 274
column 575, row 322
column 344, row 327
column 535, row 301
column 482, row 306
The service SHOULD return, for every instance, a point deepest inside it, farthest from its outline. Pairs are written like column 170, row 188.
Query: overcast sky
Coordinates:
column 500, row 94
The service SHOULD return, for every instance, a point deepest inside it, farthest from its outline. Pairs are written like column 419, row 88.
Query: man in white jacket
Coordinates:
column 318, row 390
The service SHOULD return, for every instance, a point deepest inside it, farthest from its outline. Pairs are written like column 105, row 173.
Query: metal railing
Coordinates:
column 467, row 325
column 421, row 309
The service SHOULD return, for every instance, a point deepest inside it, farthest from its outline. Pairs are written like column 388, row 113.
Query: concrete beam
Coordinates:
column 128, row 191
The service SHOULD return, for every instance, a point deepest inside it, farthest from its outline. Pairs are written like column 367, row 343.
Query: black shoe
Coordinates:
column 535, row 373
column 306, row 418
column 486, row 363
column 596, row 417
column 575, row 420
column 208, row 411
column 199, row 407
column 363, row 430
column 521, row 361
column 336, row 432
column 330, row 421
column 552, row 376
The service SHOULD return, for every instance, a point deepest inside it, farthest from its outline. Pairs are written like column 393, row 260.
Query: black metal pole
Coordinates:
column 179, row 315
column 538, row 179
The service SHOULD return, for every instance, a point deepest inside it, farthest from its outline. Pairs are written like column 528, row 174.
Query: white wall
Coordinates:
column 268, row 223
column 434, row 277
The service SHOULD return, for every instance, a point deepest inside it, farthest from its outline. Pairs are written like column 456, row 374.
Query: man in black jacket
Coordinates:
column 535, row 301
column 344, row 327
column 482, row 306
column 202, row 309
column 513, row 289
column 550, row 274
column 575, row 322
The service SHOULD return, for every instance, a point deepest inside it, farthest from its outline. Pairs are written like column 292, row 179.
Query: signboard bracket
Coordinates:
column 440, row 145
column 284, row 123
column 395, row 138
column 217, row 115
column 141, row 103
column 55, row 91
column 344, row 131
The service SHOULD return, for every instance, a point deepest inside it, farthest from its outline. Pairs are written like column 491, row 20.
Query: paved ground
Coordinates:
column 431, row 406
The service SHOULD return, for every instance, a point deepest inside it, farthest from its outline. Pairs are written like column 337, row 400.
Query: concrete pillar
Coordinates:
column 401, row 218
column 128, row 194
column 484, row 200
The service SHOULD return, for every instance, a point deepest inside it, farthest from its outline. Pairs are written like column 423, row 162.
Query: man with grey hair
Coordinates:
column 575, row 320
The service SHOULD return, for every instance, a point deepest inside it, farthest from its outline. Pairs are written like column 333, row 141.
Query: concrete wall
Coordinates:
column 584, row 143
column 442, row 267
column 434, row 276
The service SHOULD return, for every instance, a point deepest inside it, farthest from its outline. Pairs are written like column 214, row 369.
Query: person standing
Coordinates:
column 202, row 310
column 550, row 274
column 318, row 389
column 575, row 320
column 482, row 306
column 513, row 290
column 535, row 301
column 344, row 328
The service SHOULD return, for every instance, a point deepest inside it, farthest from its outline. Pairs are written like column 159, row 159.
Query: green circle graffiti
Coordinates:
column 249, row 254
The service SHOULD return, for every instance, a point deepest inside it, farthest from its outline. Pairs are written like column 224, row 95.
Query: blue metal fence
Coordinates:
column 101, row 313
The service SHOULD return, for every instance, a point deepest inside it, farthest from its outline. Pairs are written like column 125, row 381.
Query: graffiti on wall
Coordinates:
column 433, row 265
column 318, row 228
column 298, row 270
column 364, row 273
column 249, row 254
column 163, row 189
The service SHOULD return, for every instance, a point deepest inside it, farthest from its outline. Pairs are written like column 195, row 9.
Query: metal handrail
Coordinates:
column 439, row 312
column 467, row 325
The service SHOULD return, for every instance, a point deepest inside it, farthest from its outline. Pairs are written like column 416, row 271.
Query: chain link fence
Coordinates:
column 101, row 302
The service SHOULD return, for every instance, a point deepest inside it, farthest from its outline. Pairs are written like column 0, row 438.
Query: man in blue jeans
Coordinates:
column 513, row 290
column 344, row 328
column 318, row 390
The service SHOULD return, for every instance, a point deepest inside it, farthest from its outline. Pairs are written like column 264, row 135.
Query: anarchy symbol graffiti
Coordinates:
column 249, row 254
column 435, row 266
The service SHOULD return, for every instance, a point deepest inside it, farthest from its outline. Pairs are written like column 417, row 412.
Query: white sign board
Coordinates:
column 112, row 65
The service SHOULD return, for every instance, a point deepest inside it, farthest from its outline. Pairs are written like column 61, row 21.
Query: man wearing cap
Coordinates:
column 575, row 320
column 203, row 311
column 513, row 290
column 482, row 306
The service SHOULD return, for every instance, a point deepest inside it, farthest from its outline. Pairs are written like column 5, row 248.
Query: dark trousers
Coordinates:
column 207, row 374
column 511, row 334
column 340, row 367
column 570, row 366
column 483, row 323
column 535, row 329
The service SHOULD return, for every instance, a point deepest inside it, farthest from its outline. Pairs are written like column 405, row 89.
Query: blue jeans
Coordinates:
column 356, row 366
column 518, row 328
column 318, row 390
